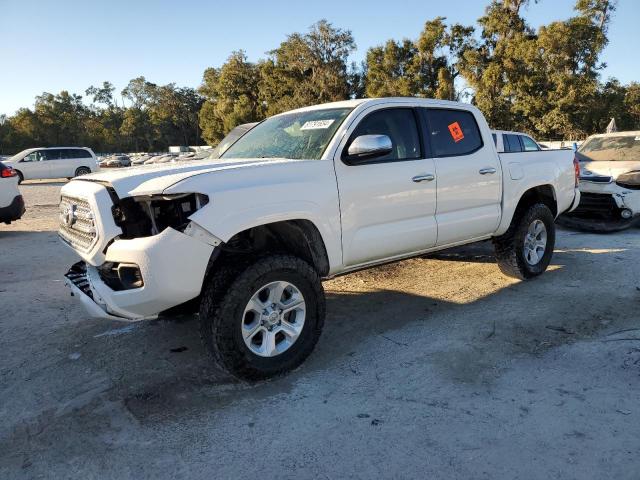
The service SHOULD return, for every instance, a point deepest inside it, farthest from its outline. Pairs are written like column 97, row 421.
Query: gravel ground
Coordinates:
column 435, row 367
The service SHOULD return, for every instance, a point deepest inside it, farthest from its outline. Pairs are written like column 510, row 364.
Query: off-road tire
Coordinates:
column 509, row 247
column 82, row 171
column 221, row 311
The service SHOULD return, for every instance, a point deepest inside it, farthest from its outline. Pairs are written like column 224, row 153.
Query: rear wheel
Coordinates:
column 265, row 321
column 525, row 250
column 20, row 177
column 82, row 171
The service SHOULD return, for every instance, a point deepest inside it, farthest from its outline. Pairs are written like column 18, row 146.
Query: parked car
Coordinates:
column 54, row 162
column 609, row 182
column 509, row 142
column 164, row 158
column 303, row 196
column 11, row 202
column 116, row 161
column 140, row 159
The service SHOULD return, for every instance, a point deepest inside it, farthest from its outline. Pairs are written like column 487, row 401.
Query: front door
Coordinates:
column 35, row 166
column 469, row 175
column 388, row 203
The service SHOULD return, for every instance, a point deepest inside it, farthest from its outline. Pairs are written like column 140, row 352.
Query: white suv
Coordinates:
column 54, row 162
column 11, row 202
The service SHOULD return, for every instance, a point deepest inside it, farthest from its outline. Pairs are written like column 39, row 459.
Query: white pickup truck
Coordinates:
column 304, row 196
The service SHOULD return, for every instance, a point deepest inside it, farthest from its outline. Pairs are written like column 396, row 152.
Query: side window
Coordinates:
column 32, row 157
column 66, row 154
column 75, row 153
column 452, row 132
column 511, row 143
column 51, row 154
column 495, row 139
column 528, row 144
column 399, row 124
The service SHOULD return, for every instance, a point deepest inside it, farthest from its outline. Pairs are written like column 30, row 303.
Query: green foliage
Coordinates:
column 231, row 94
column 545, row 82
column 426, row 67
column 307, row 69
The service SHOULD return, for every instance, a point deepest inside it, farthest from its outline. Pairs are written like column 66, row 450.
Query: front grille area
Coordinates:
column 77, row 223
column 597, row 205
column 77, row 274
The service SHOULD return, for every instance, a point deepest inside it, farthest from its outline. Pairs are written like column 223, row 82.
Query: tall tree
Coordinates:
column 426, row 67
column 231, row 97
column 307, row 69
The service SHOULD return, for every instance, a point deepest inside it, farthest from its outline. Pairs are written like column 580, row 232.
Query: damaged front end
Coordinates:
column 606, row 204
column 141, row 255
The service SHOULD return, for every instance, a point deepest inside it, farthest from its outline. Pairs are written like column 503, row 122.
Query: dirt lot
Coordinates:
column 432, row 368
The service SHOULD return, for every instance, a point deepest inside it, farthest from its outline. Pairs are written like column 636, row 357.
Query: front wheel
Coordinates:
column 525, row 250
column 267, row 320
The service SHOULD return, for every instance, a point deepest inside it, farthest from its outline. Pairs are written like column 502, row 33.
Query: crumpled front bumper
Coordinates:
column 624, row 198
column 172, row 265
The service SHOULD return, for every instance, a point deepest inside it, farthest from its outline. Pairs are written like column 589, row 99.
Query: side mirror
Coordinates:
column 369, row 146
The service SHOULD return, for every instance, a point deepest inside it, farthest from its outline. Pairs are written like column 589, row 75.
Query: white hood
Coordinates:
column 155, row 178
column 608, row 169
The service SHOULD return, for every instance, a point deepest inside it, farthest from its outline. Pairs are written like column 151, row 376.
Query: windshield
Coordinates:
column 301, row 135
column 18, row 155
column 611, row 148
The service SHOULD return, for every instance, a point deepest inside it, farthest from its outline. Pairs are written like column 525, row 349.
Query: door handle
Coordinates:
column 488, row 170
column 428, row 177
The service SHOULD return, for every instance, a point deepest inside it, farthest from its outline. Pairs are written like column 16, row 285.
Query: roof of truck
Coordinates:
column 359, row 101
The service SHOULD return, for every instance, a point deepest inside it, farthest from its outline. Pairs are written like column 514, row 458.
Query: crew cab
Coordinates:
column 304, row 196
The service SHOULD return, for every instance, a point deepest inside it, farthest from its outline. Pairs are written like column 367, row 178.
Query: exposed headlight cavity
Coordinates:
column 149, row 215
column 629, row 180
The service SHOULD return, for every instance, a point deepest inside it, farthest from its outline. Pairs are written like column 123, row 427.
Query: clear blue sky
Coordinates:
column 71, row 44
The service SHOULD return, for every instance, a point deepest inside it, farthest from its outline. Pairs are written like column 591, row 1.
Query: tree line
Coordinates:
column 545, row 82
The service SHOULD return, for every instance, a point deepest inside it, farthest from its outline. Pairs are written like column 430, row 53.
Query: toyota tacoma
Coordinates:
column 305, row 196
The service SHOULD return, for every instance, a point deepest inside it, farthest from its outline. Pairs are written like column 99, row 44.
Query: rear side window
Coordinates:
column 399, row 124
column 452, row 132
column 76, row 153
column 528, row 144
column 511, row 143
column 495, row 139
column 51, row 154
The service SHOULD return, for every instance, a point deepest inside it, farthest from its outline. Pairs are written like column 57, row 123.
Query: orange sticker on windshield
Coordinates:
column 456, row 132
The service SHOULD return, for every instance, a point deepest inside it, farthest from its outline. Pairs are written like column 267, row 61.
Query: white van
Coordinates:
column 53, row 162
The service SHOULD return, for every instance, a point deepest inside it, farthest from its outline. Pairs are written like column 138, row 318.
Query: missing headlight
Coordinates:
column 150, row 215
column 630, row 180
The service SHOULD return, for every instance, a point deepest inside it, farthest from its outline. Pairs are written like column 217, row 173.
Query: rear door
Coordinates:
column 58, row 161
column 66, row 164
column 469, row 176
column 388, row 203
